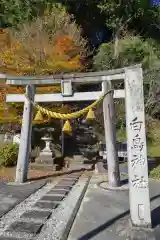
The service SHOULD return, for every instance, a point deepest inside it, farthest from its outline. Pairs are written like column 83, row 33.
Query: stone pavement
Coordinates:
column 43, row 212
column 104, row 214
column 11, row 195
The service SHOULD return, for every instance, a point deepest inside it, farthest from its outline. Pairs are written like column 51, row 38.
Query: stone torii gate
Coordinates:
column 135, row 124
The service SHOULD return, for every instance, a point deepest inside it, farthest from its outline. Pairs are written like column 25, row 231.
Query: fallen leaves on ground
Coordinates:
column 8, row 174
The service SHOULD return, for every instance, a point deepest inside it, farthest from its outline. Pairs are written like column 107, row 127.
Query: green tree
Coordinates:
column 13, row 12
column 133, row 50
column 137, row 15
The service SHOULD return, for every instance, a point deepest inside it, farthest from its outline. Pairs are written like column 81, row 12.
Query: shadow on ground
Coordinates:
column 102, row 227
column 156, row 217
column 155, row 222
column 112, row 221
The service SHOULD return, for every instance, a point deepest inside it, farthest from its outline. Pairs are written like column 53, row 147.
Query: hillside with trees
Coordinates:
column 42, row 37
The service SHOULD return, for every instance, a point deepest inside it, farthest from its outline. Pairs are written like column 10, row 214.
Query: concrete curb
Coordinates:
column 74, row 212
column 104, row 185
column 26, row 183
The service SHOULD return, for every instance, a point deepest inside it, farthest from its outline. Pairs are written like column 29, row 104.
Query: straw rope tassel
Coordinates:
column 39, row 116
column 67, row 127
column 90, row 115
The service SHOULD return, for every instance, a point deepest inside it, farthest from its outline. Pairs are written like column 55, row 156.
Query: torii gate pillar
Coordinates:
column 25, row 141
column 110, row 135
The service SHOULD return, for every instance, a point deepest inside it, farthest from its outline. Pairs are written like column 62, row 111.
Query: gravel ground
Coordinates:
column 34, row 224
column 59, row 224
column 24, row 206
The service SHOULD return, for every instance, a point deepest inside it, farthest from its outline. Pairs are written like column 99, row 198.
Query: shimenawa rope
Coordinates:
column 68, row 116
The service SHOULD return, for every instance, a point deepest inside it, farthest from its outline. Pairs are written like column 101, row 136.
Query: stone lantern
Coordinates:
column 46, row 154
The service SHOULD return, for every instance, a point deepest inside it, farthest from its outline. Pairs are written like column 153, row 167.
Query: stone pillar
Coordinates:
column 110, row 136
column 25, row 140
column 136, row 146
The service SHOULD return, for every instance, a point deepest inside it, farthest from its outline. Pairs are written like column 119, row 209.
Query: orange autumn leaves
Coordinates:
column 66, row 53
column 18, row 59
column 50, row 44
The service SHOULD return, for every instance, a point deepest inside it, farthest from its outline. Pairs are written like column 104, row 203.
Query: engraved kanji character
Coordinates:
column 137, row 143
column 136, row 125
column 137, row 159
column 139, row 182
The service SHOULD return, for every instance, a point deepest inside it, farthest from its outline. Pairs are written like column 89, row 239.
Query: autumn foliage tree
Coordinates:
column 50, row 44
